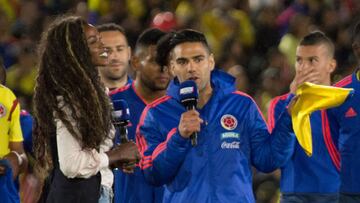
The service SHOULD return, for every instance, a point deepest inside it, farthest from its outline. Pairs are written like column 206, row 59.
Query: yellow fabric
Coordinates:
column 101, row 7
column 25, row 83
column 10, row 130
column 93, row 5
column 311, row 98
column 184, row 9
column 287, row 46
column 184, row 12
column 217, row 29
column 136, row 8
column 6, row 7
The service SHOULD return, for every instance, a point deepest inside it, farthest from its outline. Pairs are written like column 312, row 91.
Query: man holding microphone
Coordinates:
column 228, row 133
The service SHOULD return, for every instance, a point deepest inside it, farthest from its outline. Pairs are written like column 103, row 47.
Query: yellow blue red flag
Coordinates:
column 310, row 98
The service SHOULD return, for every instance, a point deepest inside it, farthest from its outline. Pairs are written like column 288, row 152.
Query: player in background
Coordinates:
column 115, row 74
column 345, row 120
column 13, row 159
column 315, row 178
column 150, row 84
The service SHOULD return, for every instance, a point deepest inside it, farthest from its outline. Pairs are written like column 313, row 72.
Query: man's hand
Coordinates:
column 291, row 104
column 128, row 167
column 190, row 122
column 124, row 156
column 14, row 163
column 17, row 165
column 304, row 75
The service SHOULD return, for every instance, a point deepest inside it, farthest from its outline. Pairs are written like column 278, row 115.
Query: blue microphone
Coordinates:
column 188, row 94
column 121, row 118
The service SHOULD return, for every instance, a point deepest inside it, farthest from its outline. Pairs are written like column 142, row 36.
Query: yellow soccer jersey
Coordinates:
column 10, row 130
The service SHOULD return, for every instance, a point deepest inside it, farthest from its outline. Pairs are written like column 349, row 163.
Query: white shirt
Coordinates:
column 82, row 163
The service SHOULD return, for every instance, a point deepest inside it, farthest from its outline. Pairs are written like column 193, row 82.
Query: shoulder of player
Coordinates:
column 5, row 91
column 120, row 90
column 345, row 82
column 278, row 100
column 3, row 88
column 152, row 108
column 159, row 101
column 162, row 104
column 240, row 97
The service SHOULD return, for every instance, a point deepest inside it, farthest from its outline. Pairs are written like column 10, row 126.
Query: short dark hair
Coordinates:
column 111, row 27
column 316, row 38
column 149, row 37
column 172, row 39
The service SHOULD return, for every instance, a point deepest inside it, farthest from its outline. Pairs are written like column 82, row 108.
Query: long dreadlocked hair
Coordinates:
column 66, row 70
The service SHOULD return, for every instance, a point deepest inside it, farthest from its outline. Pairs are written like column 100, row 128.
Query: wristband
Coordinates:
column 19, row 157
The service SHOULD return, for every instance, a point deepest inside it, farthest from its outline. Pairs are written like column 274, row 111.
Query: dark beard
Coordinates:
column 152, row 85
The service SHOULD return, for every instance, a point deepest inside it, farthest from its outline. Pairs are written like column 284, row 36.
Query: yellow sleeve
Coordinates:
column 15, row 133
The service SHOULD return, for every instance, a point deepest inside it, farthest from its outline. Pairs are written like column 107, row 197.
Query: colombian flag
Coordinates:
column 310, row 98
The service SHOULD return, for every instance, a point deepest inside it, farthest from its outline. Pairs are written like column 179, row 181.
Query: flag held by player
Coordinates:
column 310, row 98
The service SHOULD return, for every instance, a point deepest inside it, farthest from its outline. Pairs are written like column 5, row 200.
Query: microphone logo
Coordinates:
column 188, row 94
column 120, row 113
column 187, row 90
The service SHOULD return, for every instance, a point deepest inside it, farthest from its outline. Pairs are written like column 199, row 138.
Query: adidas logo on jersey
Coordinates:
column 350, row 113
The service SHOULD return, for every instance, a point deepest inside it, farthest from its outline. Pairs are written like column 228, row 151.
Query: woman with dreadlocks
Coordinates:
column 73, row 132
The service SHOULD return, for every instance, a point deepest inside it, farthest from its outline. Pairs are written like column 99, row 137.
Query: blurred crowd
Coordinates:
column 255, row 40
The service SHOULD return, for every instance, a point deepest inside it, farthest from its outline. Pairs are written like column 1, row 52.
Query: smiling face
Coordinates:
column 192, row 61
column 119, row 54
column 95, row 45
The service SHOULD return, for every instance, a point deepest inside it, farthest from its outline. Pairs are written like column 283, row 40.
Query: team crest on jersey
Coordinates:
column 2, row 110
column 228, row 122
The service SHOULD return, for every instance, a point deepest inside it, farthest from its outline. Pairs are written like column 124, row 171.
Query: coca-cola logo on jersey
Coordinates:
column 230, row 145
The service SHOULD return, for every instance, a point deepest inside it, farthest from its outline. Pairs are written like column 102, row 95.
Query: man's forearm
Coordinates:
column 18, row 162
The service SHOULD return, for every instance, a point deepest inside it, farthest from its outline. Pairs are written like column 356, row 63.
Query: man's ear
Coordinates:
column 211, row 61
column 171, row 67
column 135, row 63
column 130, row 54
column 332, row 65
